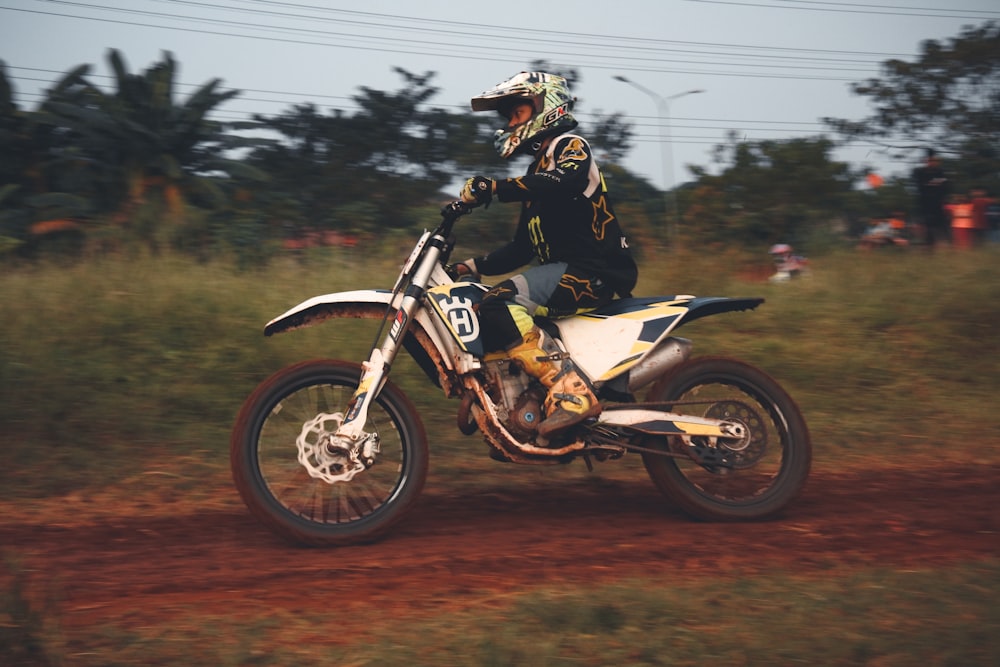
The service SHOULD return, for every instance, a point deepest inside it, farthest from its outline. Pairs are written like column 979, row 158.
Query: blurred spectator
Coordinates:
column 981, row 224
column 962, row 226
column 898, row 221
column 993, row 220
column 787, row 265
column 888, row 232
column 932, row 192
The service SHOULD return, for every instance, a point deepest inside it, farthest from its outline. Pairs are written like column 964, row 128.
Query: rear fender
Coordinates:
column 607, row 342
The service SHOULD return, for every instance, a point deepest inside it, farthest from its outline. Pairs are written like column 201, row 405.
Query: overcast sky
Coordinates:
column 768, row 69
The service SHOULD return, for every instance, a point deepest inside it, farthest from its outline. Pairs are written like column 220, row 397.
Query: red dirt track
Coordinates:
column 459, row 550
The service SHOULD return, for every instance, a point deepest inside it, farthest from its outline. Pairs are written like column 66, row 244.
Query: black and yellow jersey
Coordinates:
column 566, row 216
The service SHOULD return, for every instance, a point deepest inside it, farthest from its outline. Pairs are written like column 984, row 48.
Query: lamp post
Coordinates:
column 666, row 154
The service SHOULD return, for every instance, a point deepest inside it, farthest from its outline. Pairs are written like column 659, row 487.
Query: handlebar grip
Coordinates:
column 456, row 209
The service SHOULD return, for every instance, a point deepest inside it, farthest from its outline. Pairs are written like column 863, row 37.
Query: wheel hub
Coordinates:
column 332, row 458
column 743, row 450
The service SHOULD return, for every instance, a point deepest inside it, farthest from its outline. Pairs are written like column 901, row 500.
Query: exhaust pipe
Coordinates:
column 672, row 351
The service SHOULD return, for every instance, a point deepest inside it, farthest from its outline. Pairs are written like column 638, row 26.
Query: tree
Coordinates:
column 17, row 161
column 394, row 153
column 947, row 99
column 32, row 185
column 770, row 191
column 137, row 147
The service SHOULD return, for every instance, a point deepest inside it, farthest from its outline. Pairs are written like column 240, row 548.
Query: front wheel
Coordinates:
column 276, row 443
column 729, row 480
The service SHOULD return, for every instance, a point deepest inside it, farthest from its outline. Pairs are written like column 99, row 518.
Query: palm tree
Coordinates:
column 29, row 190
column 136, row 146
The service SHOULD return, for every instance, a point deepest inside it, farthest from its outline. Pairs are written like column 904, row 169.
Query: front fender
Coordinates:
column 422, row 342
column 362, row 304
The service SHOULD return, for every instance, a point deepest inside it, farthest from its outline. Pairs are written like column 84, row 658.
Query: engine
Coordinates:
column 518, row 396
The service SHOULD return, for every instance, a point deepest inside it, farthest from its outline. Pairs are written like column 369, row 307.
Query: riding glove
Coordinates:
column 478, row 190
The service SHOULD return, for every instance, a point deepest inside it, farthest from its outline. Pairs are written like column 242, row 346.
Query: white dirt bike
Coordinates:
column 331, row 452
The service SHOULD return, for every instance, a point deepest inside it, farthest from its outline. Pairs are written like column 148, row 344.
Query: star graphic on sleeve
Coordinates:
column 580, row 287
column 602, row 216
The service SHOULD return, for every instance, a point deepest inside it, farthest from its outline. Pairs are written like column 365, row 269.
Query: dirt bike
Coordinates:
column 331, row 452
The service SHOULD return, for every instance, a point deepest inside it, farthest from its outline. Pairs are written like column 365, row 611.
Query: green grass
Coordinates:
column 873, row 617
column 944, row 617
column 124, row 375
column 111, row 366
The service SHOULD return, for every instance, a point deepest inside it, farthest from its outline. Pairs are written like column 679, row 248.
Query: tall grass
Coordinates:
column 113, row 364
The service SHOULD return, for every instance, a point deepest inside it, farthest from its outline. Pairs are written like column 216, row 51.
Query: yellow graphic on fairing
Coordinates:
column 654, row 321
column 657, row 310
column 621, row 367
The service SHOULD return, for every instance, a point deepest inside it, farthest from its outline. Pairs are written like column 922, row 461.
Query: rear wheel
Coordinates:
column 729, row 479
column 283, row 471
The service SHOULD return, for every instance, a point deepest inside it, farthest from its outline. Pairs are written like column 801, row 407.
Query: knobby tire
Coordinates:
column 306, row 511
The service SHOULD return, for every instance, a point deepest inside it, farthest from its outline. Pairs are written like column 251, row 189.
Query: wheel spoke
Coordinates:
column 746, row 478
column 296, row 486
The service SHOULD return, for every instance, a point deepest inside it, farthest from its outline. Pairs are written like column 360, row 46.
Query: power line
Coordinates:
column 874, row 9
column 382, row 21
column 637, row 117
column 531, row 35
column 639, row 122
column 465, row 55
column 623, row 60
column 893, row 7
column 379, row 32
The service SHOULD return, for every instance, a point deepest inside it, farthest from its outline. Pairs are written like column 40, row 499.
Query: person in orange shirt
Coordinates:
column 981, row 202
column 962, row 224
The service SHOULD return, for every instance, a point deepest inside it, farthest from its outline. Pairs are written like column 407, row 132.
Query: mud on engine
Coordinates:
column 518, row 396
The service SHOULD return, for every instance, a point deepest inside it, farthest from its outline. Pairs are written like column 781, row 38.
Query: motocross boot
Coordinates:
column 570, row 399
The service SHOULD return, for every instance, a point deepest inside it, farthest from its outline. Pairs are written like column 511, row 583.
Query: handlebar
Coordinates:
column 456, row 209
column 452, row 212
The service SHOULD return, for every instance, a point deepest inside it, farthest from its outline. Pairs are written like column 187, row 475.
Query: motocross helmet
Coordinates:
column 780, row 251
column 550, row 99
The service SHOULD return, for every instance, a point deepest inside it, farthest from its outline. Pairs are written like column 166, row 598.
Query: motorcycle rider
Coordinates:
column 566, row 223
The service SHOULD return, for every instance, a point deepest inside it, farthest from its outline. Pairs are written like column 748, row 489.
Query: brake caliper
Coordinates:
column 329, row 457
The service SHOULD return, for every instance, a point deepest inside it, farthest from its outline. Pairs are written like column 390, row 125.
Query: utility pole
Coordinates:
column 670, row 204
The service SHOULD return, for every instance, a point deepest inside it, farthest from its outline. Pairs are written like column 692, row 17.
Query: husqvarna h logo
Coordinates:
column 461, row 317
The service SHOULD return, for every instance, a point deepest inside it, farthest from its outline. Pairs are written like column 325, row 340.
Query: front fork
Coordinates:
column 376, row 369
column 375, row 372
column 339, row 456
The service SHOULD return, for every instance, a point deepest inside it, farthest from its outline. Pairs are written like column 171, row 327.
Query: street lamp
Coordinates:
column 666, row 154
